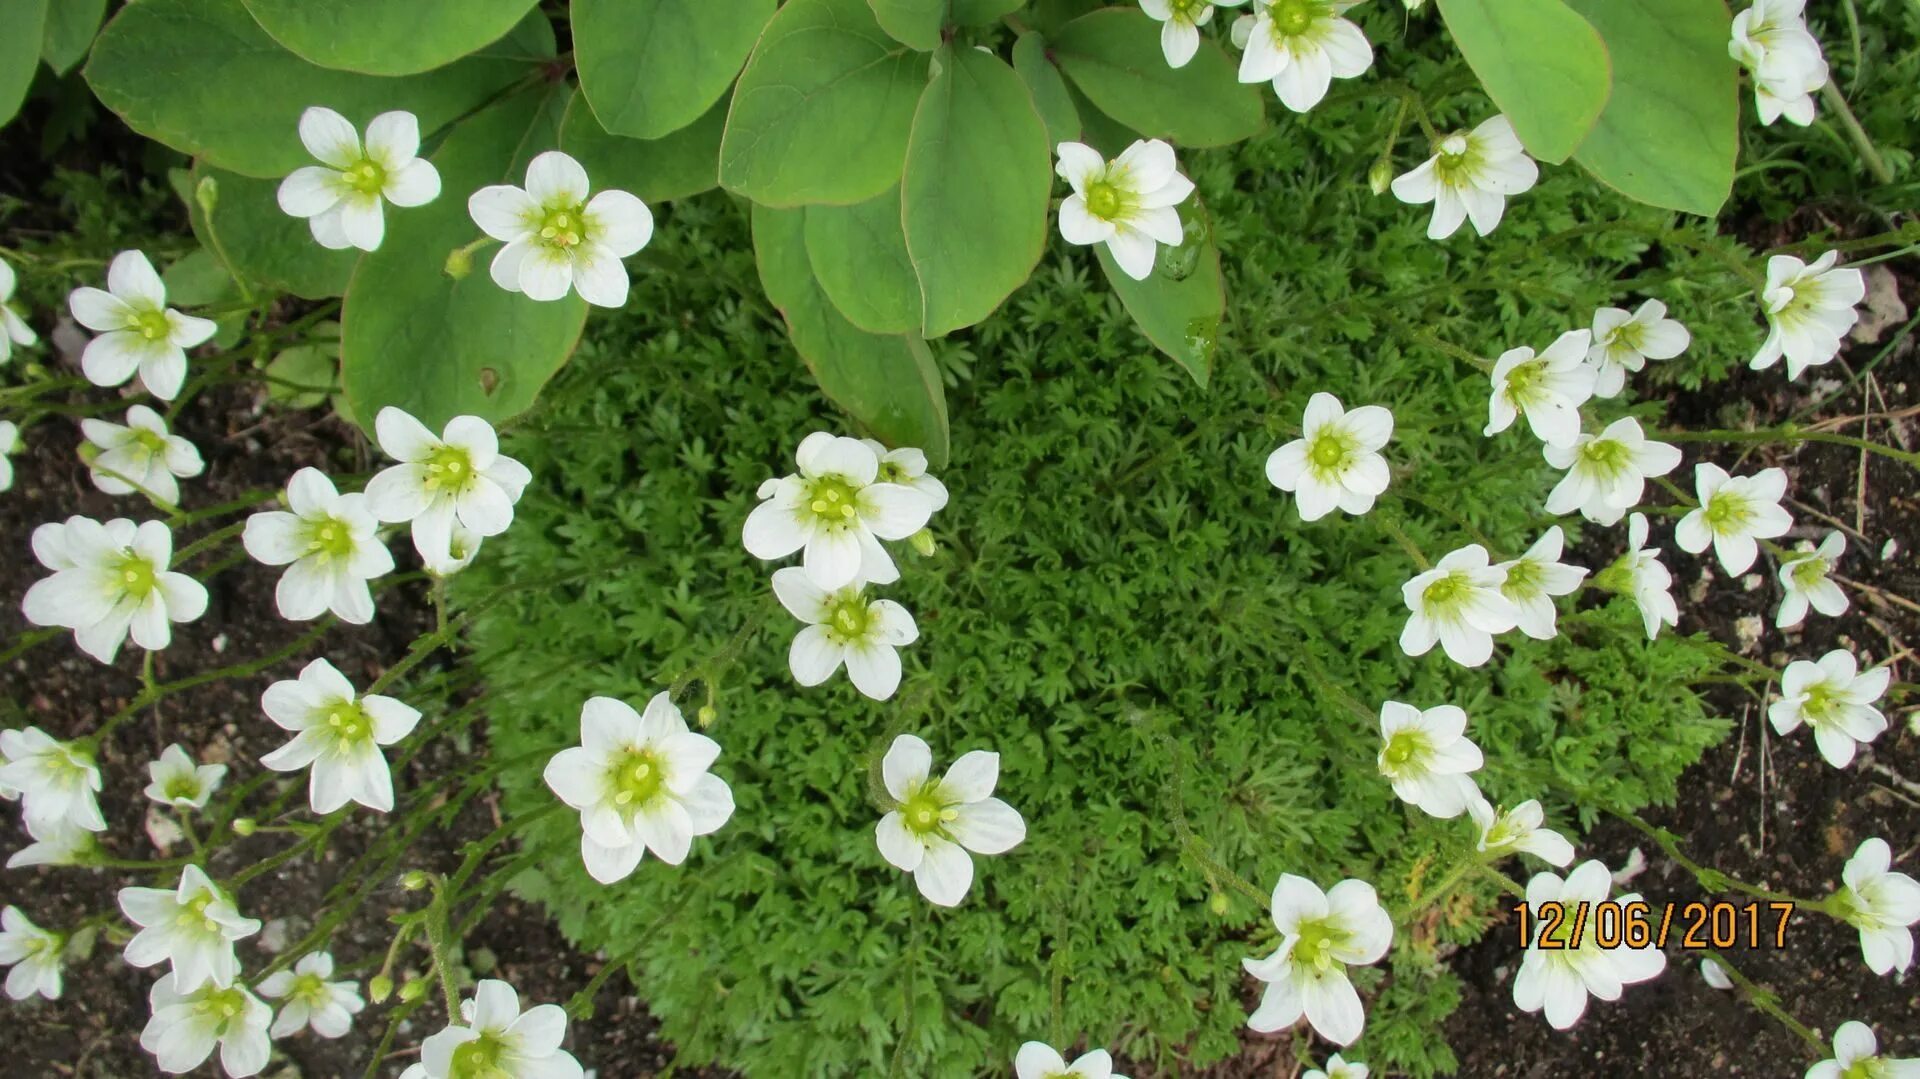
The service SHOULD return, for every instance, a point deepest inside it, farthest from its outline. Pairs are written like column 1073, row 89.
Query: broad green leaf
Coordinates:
column 269, row 248
column 888, row 384
column 1543, row 64
column 71, row 25
column 1113, row 56
column 303, row 375
column 22, row 28
column 1097, row 129
column 975, row 193
column 1180, row 304
column 982, row 12
column 1671, row 130
column 859, row 256
column 686, row 162
column 202, row 77
column 914, row 23
column 1049, row 91
column 387, row 37
column 423, row 341
column 651, row 67
column 197, row 279
column 821, row 113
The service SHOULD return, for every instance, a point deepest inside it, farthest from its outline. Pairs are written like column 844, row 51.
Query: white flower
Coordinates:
column 10, row 444
column 844, row 626
column 1781, row 87
column 1714, row 975
column 1809, row 309
column 1038, row 1060
column 1881, row 904
column 1518, row 829
column 338, row 732
column 1180, row 22
column 311, row 1000
column 1535, row 578
column 1548, row 388
column 186, row 1027
column 1640, row 573
column 329, row 543
column 138, row 331
column 1772, row 41
column 459, row 478
column 1624, row 342
column 1301, row 46
column 498, row 1041
column 1734, row 514
column 641, row 782
column 56, row 781
column 557, row 239
column 1608, row 472
column 908, row 466
column 838, row 510
column 142, row 456
column 1127, row 204
column 1835, row 698
column 33, row 953
column 1338, row 1068
column 178, row 782
column 1321, row 935
column 192, row 926
column 341, row 196
column 1856, row 1055
column 56, row 842
column 934, row 823
column 463, row 546
column 1428, row 757
column 1560, row 977
column 1805, row 582
column 1457, row 603
column 110, row 580
column 1470, row 175
column 13, row 329
column 1336, row 462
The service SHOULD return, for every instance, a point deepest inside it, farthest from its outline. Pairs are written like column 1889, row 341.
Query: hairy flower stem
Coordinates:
column 436, row 924
column 1791, row 434
column 1767, row 1001
column 1869, row 156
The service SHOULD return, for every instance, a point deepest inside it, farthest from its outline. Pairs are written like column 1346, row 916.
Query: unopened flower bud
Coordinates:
column 459, row 263
column 245, row 826
column 1380, row 176
column 923, row 542
column 207, row 194
column 707, row 715
column 414, row 880
column 413, row 990
column 1217, row 903
column 379, row 988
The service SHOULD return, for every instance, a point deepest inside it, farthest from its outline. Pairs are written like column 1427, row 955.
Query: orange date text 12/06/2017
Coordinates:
column 1698, row 925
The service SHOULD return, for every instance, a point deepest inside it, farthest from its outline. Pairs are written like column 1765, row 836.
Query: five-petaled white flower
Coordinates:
column 338, row 732
column 309, row 999
column 1336, row 462
column 1639, row 573
column 1180, row 23
column 13, row 329
column 138, row 331
column 1734, row 514
column 495, row 1039
column 55, row 842
column 1535, row 578
column 1038, row 1060
column 1428, row 757
column 1127, row 204
column 55, row 781
column 935, row 822
column 459, row 478
column 1624, row 342
column 33, row 953
column 1470, row 175
column 329, row 543
column 177, row 781
column 1608, row 472
column 1547, row 388
column 110, row 580
column 844, row 626
column 1457, row 603
column 341, row 197
column 908, row 466
column 1809, row 309
column 1856, row 1055
column 838, row 510
column 1882, row 904
column 1321, row 935
column 10, row 444
column 1518, row 829
column 558, row 239
column 141, row 456
column 1805, row 581
column 1783, row 57
column 192, row 926
column 1338, row 1067
column 1301, row 46
column 186, row 1027
column 641, row 782
column 1559, row 974
column 1836, row 698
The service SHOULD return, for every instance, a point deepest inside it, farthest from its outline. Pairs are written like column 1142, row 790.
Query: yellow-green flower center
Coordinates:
column 1627, row 335
column 194, row 914
column 135, row 575
column 1810, row 573
column 1523, row 381
column 563, row 227
column 636, row 777
column 849, row 617
column 449, row 468
column 1447, row 592
column 226, row 1005
column 1457, row 160
column 925, row 814
column 346, row 723
column 186, row 787
column 1870, row 1068
column 1105, row 200
column 1403, row 749
column 1329, row 451
column 891, row 472
column 479, row 1059
column 1728, row 512
column 1294, row 17
column 153, row 442
column 832, row 501
column 1316, row 944
column 367, row 177
column 1604, row 455
column 152, row 324
column 1523, row 578
column 329, row 539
